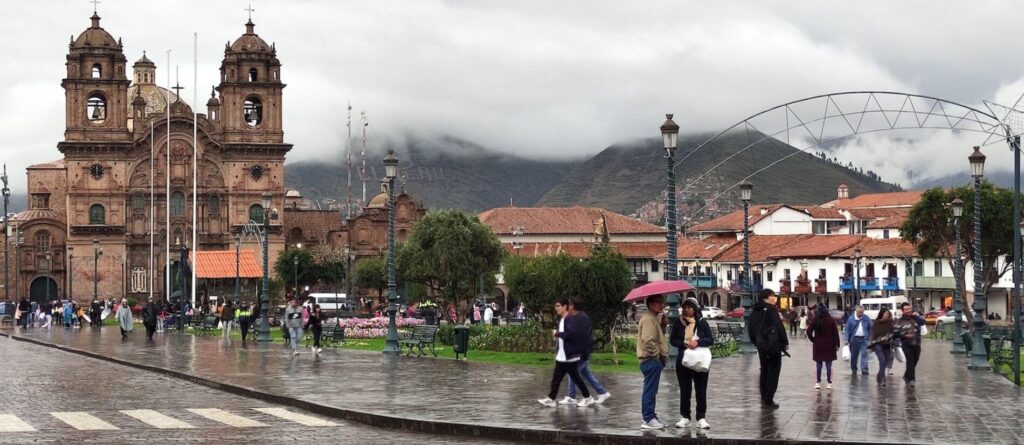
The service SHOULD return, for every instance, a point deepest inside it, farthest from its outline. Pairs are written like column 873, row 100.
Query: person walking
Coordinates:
column 96, row 313
column 908, row 329
column 69, row 314
column 293, row 322
column 227, row 315
column 652, row 352
column 24, row 312
column 793, row 317
column 858, row 330
column 315, row 326
column 572, row 344
column 824, row 335
column 689, row 332
column 124, row 319
column 149, row 315
column 881, row 342
column 769, row 336
column 582, row 321
column 803, row 322
column 244, row 317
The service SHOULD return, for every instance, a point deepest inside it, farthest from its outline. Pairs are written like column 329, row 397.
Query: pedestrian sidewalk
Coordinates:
column 950, row 404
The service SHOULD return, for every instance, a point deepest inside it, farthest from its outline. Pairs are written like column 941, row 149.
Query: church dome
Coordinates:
column 155, row 96
column 378, row 202
column 95, row 37
column 250, row 42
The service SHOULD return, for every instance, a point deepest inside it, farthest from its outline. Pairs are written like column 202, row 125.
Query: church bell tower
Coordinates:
column 96, row 88
column 250, row 91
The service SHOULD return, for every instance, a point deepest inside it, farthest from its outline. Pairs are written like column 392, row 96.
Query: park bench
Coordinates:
column 421, row 336
column 1001, row 352
column 333, row 336
column 6, row 320
column 207, row 326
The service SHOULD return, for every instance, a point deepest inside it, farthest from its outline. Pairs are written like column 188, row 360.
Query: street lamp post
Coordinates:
column 71, row 274
column 7, row 198
column 670, row 139
column 350, row 255
column 746, row 192
column 856, row 277
column 49, row 268
column 264, row 327
column 238, row 266
column 295, row 270
column 958, row 272
column 979, row 358
column 97, row 252
column 391, row 171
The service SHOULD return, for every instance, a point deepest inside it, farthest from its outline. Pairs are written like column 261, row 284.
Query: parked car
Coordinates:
column 931, row 317
column 735, row 313
column 712, row 313
column 950, row 317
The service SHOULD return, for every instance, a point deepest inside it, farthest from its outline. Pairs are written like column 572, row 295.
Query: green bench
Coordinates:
column 425, row 335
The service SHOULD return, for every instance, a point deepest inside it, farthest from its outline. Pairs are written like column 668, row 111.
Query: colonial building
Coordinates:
column 127, row 158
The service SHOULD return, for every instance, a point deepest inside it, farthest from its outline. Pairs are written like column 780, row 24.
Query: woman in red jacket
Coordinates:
column 824, row 334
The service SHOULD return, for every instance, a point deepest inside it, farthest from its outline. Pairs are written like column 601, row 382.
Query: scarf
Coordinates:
column 691, row 327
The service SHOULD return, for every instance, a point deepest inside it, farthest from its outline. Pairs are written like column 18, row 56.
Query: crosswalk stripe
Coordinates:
column 226, row 418
column 9, row 423
column 83, row 421
column 295, row 417
column 156, row 419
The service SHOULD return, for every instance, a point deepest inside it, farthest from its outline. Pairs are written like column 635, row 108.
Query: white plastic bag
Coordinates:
column 846, row 352
column 924, row 330
column 697, row 359
column 899, row 355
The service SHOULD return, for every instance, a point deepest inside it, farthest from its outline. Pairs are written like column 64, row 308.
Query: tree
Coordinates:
column 606, row 279
column 372, row 273
column 329, row 265
column 537, row 282
column 450, row 252
column 286, row 270
column 930, row 227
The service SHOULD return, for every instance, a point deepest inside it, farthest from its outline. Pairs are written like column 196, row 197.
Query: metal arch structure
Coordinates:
column 851, row 113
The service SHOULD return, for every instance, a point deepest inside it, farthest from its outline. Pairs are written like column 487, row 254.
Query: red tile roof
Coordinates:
column 562, row 220
column 817, row 212
column 583, row 250
column 879, row 213
column 58, row 164
column 733, row 222
column 882, row 248
column 703, row 249
column 221, row 264
column 890, row 222
column 766, row 248
column 891, row 199
column 315, row 224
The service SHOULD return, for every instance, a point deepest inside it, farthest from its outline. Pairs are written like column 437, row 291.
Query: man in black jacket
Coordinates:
column 769, row 336
column 572, row 343
column 149, row 316
column 581, row 323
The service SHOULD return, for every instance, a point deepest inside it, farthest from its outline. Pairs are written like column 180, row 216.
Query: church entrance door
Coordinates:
column 43, row 289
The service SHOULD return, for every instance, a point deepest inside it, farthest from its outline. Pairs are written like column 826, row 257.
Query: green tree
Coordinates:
column 372, row 273
column 537, row 282
column 606, row 279
column 329, row 265
column 451, row 252
column 286, row 269
column 930, row 227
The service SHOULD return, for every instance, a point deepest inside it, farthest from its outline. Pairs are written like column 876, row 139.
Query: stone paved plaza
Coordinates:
column 950, row 404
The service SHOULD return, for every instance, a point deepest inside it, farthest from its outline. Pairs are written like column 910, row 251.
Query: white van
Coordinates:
column 873, row 305
column 331, row 304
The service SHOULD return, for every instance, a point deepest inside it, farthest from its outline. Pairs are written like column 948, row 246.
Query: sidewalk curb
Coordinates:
column 419, row 425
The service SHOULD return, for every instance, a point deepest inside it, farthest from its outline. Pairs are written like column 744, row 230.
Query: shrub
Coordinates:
column 374, row 327
column 446, row 333
column 526, row 337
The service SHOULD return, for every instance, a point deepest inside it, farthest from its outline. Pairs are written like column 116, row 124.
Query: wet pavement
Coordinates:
column 55, row 396
column 949, row 405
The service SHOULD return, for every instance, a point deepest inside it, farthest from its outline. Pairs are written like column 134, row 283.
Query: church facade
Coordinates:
column 127, row 173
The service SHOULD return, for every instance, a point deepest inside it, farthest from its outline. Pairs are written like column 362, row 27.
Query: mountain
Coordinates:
column 1001, row 178
column 443, row 173
column 630, row 177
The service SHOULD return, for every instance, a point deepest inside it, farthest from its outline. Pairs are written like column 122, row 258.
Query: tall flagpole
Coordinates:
column 195, row 158
column 152, row 203
column 348, row 153
column 365, row 122
column 167, row 191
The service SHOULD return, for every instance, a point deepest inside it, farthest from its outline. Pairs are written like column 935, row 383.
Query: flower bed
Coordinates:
column 374, row 327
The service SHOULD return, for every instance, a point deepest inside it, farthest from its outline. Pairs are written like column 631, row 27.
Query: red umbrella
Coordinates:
column 657, row 288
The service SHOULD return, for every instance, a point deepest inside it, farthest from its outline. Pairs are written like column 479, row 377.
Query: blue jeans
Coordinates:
column 295, row 334
column 585, row 373
column 651, row 368
column 859, row 350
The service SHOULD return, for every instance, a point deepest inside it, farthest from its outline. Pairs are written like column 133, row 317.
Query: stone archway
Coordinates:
column 43, row 289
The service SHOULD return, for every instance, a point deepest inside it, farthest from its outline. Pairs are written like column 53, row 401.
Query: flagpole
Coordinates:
column 167, row 190
column 195, row 159
column 348, row 153
column 366, row 123
column 152, row 203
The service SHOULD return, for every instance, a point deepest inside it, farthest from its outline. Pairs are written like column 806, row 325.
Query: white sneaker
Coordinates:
column 654, row 424
column 891, row 373
column 703, row 424
column 817, row 385
column 602, row 397
column 296, row 352
column 683, row 423
column 586, row 402
column 319, row 350
column 547, row 402
column 567, row 401
column 829, row 386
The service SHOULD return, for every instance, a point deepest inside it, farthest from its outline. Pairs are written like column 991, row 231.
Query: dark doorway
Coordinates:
column 40, row 292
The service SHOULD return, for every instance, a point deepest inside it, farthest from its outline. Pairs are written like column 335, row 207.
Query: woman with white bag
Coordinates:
column 692, row 335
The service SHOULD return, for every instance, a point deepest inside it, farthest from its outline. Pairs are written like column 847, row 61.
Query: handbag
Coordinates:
column 17, row 314
column 697, row 359
column 899, row 355
column 846, row 352
column 924, row 330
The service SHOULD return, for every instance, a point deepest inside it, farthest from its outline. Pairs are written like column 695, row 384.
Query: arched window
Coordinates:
column 177, row 204
column 275, row 74
column 253, row 111
column 96, row 108
column 42, row 242
column 97, row 215
column 138, row 203
column 252, row 75
column 215, row 204
column 256, row 213
column 97, row 71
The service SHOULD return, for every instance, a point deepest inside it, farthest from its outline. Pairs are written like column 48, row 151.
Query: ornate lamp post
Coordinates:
column 49, row 268
column 979, row 358
column 238, row 265
column 295, row 270
column 670, row 139
column 264, row 328
column 350, row 255
column 7, row 198
column 746, row 190
column 391, row 171
column 856, row 278
column 71, row 274
column 958, row 296
column 97, row 252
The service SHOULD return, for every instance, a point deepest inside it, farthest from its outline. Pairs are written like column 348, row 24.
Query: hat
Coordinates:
column 692, row 302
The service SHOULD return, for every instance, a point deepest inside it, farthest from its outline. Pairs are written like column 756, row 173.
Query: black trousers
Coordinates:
column 124, row 334
column 150, row 330
column 688, row 379
column 771, row 366
column 317, row 333
column 792, row 328
column 561, row 369
column 913, row 353
column 243, row 324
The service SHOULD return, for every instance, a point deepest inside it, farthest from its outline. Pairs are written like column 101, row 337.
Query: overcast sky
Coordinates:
column 539, row 78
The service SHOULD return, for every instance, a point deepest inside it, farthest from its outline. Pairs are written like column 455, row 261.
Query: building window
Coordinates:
column 215, row 204
column 96, row 108
column 97, row 215
column 770, row 276
column 686, row 271
column 253, row 109
column 177, row 204
column 138, row 203
column 42, row 242
column 256, row 213
column 885, row 234
column 654, row 265
column 938, row 268
column 918, row 268
column 97, row 71
column 41, row 201
column 252, row 75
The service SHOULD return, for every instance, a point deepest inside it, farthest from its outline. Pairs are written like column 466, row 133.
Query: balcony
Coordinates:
column 641, row 277
column 869, row 283
column 736, row 287
column 891, row 283
column 785, row 286
column 820, row 286
column 701, row 281
column 845, row 283
column 803, row 286
column 931, row 282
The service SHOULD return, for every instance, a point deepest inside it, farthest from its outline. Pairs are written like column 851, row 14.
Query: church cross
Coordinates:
column 250, row 10
column 177, row 91
column 94, row 3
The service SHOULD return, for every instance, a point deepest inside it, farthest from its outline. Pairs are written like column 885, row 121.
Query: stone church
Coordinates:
column 87, row 229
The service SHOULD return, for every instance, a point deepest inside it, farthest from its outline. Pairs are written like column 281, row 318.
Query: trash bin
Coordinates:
column 460, row 341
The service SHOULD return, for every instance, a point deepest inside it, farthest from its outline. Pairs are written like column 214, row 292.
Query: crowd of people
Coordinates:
column 70, row 314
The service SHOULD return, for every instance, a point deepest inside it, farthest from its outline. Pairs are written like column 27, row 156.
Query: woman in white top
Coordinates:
column 803, row 322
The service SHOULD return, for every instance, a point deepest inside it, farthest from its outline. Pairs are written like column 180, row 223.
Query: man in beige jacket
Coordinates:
column 652, row 351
